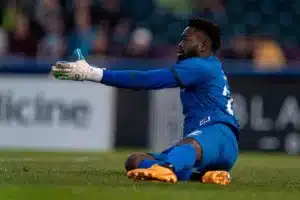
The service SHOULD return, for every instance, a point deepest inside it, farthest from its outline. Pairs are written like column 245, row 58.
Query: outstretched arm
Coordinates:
column 178, row 76
column 130, row 79
column 134, row 79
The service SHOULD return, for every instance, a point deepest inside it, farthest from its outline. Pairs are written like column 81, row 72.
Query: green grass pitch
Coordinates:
column 100, row 176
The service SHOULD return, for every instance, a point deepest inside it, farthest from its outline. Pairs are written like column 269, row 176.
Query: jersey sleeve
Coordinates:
column 134, row 79
column 192, row 72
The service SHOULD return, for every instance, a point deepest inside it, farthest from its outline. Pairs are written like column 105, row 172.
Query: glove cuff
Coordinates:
column 94, row 74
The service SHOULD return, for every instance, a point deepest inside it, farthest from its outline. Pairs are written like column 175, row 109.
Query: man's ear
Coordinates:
column 203, row 45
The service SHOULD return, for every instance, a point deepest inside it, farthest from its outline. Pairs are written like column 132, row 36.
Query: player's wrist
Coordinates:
column 94, row 74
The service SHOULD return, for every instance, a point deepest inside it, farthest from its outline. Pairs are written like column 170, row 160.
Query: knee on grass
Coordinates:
column 135, row 159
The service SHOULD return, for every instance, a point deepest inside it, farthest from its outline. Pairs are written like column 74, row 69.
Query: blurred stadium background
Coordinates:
column 264, row 32
column 260, row 52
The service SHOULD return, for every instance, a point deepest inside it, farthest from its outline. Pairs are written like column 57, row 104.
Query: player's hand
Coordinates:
column 79, row 70
column 71, row 70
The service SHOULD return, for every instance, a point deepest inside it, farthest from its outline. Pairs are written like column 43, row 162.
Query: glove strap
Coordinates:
column 94, row 74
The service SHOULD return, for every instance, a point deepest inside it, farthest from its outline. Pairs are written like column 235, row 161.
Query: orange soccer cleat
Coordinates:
column 216, row 177
column 154, row 173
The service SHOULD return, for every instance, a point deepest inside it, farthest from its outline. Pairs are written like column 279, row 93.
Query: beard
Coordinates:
column 190, row 54
column 181, row 57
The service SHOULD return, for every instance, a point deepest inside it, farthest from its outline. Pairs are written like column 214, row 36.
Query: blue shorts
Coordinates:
column 219, row 146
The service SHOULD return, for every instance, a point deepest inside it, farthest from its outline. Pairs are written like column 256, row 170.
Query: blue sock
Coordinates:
column 184, row 175
column 182, row 157
column 146, row 163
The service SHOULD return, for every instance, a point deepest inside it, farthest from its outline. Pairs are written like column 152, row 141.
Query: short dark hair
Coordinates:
column 211, row 29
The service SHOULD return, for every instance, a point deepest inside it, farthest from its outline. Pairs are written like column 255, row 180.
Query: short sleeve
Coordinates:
column 191, row 72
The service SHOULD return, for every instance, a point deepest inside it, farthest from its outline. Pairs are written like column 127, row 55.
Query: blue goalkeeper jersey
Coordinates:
column 205, row 93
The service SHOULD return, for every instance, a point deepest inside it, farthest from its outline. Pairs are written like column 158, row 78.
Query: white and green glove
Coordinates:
column 79, row 70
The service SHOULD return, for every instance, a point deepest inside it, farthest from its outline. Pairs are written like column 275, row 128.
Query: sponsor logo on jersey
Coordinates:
column 204, row 120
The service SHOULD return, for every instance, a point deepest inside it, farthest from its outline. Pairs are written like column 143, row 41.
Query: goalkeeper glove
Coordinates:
column 79, row 70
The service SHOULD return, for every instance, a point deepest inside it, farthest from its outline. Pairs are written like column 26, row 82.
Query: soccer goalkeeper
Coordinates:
column 210, row 142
